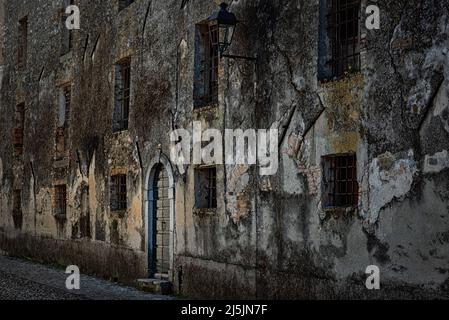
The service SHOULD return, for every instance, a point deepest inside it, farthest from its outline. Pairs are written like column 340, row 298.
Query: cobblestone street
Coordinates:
column 22, row 280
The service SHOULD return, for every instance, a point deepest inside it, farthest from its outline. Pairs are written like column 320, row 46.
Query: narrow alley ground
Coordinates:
column 23, row 280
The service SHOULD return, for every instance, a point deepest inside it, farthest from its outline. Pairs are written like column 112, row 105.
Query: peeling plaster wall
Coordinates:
column 270, row 236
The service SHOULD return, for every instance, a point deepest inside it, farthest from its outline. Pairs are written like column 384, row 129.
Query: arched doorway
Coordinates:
column 159, row 209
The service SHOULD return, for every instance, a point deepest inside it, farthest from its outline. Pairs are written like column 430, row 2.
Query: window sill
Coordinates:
column 204, row 212
column 119, row 214
column 206, row 107
column 118, row 132
column 339, row 210
column 342, row 78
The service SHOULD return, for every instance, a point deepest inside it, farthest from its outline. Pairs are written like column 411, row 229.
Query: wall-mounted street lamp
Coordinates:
column 226, row 22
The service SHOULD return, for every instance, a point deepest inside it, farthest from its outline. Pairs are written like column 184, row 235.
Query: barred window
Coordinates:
column 339, row 37
column 118, row 194
column 206, row 65
column 340, row 186
column 206, row 188
column 62, row 131
column 61, row 200
column 122, row 94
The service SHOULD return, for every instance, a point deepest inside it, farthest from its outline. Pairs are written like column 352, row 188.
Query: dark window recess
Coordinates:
column 122, row 95
column 19, row 119
column 206, row 65
column 66, row 34
column 340, row 186
column 61, row 200
column 206, row 188
column 17, row 209
column 122, row 4
column 22, row 42
column 118, row 195
column 339, row 43
column 62, row 131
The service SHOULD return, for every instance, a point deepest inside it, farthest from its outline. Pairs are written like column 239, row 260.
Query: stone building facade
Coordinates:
column 86, row 176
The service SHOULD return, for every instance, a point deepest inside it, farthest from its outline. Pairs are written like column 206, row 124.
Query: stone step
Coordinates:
column 155, row 286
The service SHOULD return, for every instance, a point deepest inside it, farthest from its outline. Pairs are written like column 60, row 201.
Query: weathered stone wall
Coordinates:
column 270, row 237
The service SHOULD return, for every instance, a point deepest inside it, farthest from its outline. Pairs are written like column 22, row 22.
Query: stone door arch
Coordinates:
column 159, row 195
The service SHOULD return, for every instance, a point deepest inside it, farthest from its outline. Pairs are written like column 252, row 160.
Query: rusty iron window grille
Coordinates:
column 340, row 181
column 212, row 188
column 206, row 188
column 19, row 129
column 344, row 31
column 118, row 193
column 23, row 42
column 61, row 200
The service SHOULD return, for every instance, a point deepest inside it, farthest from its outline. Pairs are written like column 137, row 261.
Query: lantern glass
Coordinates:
column 226, row 22
column 226, row 37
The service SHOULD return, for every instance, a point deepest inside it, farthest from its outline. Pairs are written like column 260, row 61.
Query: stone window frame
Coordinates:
column 208, row 192
column 339, row 53
column 122, row 94
column 60, row 204
column 118, row 192
column 340, row 185
column 206, row 65
column 63, row 131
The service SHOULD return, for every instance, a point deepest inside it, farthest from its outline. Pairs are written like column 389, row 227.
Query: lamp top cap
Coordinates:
column 223, row 15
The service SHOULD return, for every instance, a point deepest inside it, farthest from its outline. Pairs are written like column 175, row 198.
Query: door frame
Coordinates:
column 149, row 206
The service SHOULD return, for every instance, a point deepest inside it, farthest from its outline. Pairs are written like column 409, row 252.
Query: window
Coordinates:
column 61, row 200
column 206, row 65
column 339, row 38
column 66, row 34
column 122, row 94
column 118, row 196
column 340, row 186
column 19, row 119
column 62, row 131
column 23, row 42
column 122, row 4
column 206, row 188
